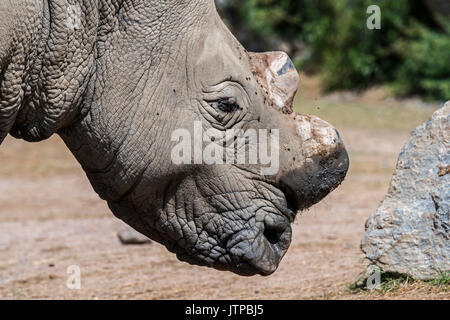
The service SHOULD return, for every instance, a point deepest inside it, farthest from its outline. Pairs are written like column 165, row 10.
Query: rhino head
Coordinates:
column 117, row 83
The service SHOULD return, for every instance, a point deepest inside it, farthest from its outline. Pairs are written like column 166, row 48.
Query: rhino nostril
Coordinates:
column 272, row 235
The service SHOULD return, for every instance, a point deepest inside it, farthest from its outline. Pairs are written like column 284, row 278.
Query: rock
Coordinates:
column 129, row 236
column 410, row 231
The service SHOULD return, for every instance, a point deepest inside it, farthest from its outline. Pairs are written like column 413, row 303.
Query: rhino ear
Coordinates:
column 276, row 71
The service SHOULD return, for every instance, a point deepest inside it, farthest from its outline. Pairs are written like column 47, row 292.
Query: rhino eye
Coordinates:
column 223, row 112
column 227, row 105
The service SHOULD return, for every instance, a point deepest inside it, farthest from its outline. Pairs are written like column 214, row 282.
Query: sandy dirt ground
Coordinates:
column 50, row 219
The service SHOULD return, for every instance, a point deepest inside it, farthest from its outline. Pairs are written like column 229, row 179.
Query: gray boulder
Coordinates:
column 410, row 231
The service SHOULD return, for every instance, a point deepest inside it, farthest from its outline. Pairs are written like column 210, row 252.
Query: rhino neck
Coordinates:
column 139, row 77
column 89, row 71
column 49, row 56
column 20, row 22
column 59, row 61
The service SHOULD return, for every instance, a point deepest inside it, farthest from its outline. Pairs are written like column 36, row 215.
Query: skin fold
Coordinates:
column 115, row 87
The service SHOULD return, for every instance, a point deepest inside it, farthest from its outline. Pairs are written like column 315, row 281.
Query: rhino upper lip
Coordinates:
column 250, row 265
column 290, row 210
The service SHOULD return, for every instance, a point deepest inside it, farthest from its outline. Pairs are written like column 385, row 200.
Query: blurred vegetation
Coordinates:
column 410, row 53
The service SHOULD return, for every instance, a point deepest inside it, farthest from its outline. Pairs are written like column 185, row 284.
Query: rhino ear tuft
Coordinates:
column 277, row 72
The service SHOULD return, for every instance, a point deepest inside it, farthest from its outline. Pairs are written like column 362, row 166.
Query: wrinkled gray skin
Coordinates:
column 115, row 89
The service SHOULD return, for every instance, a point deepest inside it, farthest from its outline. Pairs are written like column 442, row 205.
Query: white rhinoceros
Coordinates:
column 117, row 78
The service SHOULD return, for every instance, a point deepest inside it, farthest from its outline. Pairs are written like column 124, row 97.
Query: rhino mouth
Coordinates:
column 259, row 244
column 246, row 255
column 253, row 244
column 262, row 254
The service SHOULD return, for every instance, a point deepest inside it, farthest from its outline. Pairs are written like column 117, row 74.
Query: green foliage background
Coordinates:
column 411, row 52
